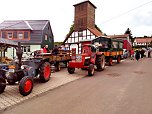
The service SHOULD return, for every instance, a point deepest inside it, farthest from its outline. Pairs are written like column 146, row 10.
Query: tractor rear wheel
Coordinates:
column 26, row 85
column 101, row 63
column 2, row 85
column 71, row 70
column 91, row 70
column 45, row 72
column 110, row 61
column 118, row 59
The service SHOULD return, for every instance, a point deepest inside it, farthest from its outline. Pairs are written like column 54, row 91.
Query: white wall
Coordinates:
column 32, row 48
column 9, row 52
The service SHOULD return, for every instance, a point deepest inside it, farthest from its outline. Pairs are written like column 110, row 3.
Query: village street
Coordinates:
column 124, row 88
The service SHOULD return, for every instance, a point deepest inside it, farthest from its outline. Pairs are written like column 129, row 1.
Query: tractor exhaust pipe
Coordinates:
column 19, row 54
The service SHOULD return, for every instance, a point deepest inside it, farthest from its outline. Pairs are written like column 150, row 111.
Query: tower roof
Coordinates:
column 85, row 2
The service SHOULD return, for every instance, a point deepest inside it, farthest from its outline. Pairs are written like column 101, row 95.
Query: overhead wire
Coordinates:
column 126, row 12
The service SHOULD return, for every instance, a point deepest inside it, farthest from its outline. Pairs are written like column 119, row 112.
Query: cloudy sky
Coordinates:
column 112, row 16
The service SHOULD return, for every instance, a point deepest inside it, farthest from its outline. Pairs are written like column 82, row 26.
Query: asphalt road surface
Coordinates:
column 124, row 88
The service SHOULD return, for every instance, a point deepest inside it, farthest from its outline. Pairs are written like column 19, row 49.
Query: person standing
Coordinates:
column 149, row 53
column 45, row 49
column 137, row 55
column 55, row 50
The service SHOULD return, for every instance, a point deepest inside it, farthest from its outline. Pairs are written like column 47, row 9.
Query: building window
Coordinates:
column 26, row 49
column 80, row 34
column 10, row 35
column 26, row 35
column 20, row 35
column 46, row 37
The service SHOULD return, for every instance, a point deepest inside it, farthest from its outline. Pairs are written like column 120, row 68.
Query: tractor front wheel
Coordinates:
column 91, row 70
column 71, row 70
column 2, row 85
column 26, row 85
column 45, row 72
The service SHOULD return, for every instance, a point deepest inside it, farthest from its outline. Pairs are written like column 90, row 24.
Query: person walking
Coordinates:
column 132, row 54
column 142, row 53
column 137, row 55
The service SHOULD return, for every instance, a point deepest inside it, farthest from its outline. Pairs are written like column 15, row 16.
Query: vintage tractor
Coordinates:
column 24, row 71
column 89, row 58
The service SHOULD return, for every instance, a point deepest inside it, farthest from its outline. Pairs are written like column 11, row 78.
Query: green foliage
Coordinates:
column 58, row 43
column 71, row 29
column 46, row 42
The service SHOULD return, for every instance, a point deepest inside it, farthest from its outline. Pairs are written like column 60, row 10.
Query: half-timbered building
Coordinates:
column 84, row 26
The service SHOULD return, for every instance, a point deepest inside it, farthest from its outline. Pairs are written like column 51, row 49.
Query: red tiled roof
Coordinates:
column 96, row 32
column 119, row 36
column 143, row 40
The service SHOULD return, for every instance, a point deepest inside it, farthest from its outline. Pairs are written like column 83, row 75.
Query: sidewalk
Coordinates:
column 11, row 96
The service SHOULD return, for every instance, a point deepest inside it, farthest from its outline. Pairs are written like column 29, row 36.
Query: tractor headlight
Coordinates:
column 87, row 57
column 22, row 67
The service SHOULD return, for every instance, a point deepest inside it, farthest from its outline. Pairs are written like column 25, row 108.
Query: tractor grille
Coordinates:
column 79, row 58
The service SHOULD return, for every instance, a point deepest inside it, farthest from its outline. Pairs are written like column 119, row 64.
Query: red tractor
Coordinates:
column 89, row 58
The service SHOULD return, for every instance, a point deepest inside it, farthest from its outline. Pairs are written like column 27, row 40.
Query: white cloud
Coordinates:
column 61, row 14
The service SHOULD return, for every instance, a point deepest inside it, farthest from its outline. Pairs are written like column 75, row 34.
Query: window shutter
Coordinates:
column 15, row 35
column 25, row 35
column 3, row 34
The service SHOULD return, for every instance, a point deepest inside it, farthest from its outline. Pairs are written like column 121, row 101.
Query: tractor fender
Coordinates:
column 31, row 71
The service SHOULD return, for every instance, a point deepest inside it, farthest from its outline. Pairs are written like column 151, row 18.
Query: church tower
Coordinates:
column 84, row 16
column 84, row 26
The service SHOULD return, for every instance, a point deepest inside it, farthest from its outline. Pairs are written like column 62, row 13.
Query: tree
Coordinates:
column 128, row 31
column 58, row 43
column 71, row 29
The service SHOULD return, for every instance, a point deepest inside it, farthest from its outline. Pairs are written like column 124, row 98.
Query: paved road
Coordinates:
column 124, row 88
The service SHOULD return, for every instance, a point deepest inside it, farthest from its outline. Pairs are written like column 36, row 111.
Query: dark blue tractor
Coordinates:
column 24, row 71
